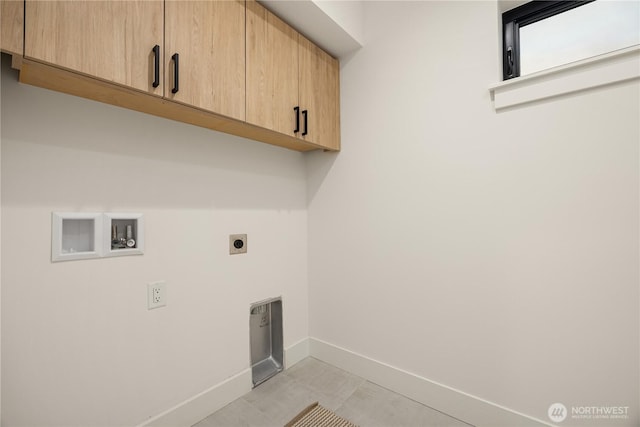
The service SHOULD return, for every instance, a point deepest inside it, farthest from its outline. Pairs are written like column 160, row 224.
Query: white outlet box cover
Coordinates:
column 156, row 295
column 135, row 218
column 76, row 235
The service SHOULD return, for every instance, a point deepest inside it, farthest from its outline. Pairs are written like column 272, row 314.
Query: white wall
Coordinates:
column 79, row 346
column 348, row 14
column 495, row 253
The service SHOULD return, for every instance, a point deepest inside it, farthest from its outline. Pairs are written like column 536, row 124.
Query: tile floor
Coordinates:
column 277, row 401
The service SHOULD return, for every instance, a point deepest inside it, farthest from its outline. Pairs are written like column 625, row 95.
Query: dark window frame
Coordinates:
column 520, row 16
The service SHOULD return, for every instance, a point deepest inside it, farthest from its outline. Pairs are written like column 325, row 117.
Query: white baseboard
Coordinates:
column 296, row 352
column 200, row 406
column 460, row 405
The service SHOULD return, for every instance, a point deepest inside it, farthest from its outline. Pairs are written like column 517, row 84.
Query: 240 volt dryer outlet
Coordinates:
column 237, row 244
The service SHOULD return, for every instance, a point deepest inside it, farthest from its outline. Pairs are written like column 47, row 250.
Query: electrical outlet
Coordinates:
column 156, row 294
column 237, row 244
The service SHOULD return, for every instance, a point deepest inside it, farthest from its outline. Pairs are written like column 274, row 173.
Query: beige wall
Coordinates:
column 79, row 345
column 495, row 253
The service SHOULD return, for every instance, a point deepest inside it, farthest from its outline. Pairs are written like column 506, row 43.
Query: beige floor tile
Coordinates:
column 332, row 384
column 279, row 399
column 373, row 406
column 308, row 369
column 238, row 413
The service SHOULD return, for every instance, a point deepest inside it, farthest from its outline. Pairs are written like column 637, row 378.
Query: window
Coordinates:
column 544, row 34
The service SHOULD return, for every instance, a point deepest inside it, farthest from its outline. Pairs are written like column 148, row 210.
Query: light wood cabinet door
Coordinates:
column 319, row 95
column 286, row 71
column 272, row 70
column 11, row 26
column 209, row 39
column 111, row 40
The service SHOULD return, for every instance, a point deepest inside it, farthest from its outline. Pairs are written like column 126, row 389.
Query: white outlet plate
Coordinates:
column 156, row 295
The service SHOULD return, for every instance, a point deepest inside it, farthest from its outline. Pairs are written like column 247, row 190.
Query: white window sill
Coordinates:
column 621, row 65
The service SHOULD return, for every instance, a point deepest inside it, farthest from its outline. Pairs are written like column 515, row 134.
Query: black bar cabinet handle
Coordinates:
column 156, row 66
column 297, row 111
column 304, row 114
column 176, row 70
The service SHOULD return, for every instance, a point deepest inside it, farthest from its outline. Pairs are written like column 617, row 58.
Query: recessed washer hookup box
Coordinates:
column 265, row 330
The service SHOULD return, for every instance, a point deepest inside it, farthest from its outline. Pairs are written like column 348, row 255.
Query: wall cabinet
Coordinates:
column 272, row 71
column 208, row 38
column 319, row 95
column 225, row 65
column 11, row 26
column 292, row 85
column 111, row 40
